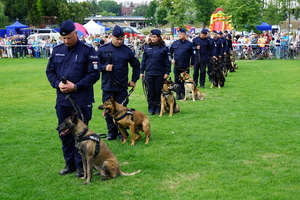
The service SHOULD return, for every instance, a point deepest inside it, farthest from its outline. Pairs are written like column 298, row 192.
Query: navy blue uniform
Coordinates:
column 205, row 55
column 217, row 47
column 156, row 63
column 115, row 82
column 183, row 54
column 80, row 64
column 228, row 46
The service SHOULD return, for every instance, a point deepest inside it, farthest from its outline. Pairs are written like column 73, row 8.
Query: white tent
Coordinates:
column 93, row 28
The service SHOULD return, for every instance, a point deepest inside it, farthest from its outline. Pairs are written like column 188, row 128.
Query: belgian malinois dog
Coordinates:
column 168, row 102
column 86, row 143
column 125, row 118
column 190, row 87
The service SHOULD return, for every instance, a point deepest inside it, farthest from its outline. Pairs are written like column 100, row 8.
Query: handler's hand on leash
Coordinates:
column 66, row 88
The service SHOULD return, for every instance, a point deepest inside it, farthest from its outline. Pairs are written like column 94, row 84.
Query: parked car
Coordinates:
column 45, row 35
column 133, row 31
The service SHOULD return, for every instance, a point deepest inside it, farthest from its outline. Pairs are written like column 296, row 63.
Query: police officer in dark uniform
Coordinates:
column 223, row 40
column 203, row 54
column 216, row 45
column 182, row 55
column 157, row 66
column 78, row 63
column 114, row 58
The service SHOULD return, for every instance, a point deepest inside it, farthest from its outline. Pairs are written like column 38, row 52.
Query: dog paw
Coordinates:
column 85, row 182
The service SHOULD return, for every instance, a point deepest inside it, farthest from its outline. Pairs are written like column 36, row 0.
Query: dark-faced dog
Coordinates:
column 168, row 102
column 190, row 87
column 125, row 118
column 217, row 75
column 229, row 63
column 87, row 143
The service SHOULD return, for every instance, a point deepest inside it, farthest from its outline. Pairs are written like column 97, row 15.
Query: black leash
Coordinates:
column 129, row 93
column 145, row 86
column 76, row 107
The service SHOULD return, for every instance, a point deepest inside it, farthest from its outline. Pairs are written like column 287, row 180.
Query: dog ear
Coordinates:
column 73, row 117
column 112, row 99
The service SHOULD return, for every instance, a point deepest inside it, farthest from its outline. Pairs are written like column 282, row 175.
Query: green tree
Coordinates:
column 3, row 18
column 203, row 10
column 273, row 14
column 109, row 6
column 150, row 13
column 105, row 13
column 79, row 11
column 160, row 16
column 246, row 14
column 94, row 7
column 177, row 11
column 140, row 10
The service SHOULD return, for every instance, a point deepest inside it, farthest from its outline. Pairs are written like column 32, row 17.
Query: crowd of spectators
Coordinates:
column 18, row 46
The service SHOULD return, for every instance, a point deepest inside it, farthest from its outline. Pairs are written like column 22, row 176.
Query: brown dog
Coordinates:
column 93, row 150
column 190, row 87
column 125, row 118
column 168, row 102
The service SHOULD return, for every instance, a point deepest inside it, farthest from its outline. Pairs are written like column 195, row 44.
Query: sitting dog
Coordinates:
column 229, row 63
column 93, row 150
column 233, row 64
column 217, row 76
column 125, row 118
column 168, row 102
column 190, row 87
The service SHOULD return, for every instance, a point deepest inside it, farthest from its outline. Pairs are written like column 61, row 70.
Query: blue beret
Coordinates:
column 155, row 32
column 182, row 30
column 204, row 31
column 66, row 27
column 118, row 32
column 220, row 33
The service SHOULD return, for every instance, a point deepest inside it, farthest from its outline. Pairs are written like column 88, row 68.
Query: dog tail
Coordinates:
column 129, row 174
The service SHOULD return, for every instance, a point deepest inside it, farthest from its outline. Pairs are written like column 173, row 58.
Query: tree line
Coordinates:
column 245, row 13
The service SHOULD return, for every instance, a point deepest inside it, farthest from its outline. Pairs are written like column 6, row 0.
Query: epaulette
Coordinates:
column 126, row 46
column 86, row 44
column 58, row 45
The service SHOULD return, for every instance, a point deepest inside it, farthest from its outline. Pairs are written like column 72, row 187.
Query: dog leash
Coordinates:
column 76, row 107
column 129, row 93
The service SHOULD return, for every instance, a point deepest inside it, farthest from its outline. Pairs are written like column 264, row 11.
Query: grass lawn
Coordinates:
column 241, row 142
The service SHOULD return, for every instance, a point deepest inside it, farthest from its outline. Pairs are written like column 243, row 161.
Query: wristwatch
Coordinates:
column 75, row 88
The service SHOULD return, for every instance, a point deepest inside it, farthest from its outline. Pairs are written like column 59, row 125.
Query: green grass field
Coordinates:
column 241, row 142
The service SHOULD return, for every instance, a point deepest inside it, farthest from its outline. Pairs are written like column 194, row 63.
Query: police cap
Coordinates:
column 66, row 27
column 215, row 32
column 225, row 31
column 155, row 32
column 220, row 33
column 204, row 31
column 182, row 30
column 118, row 32
column 229, row 36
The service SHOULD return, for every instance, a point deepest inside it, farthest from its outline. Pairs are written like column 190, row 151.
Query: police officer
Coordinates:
column 182, row 57
column 223, row 40
column 114, row 58
column 203, row 54
column 217, row 46
column 157, row 66
column 78, row 63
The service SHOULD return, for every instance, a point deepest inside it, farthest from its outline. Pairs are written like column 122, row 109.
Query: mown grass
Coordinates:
column 241, row 142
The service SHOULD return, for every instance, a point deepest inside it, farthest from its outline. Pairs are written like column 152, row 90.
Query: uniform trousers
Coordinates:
column 71, row 155
column 119, row 96
column 154, row 86
column 202, row 70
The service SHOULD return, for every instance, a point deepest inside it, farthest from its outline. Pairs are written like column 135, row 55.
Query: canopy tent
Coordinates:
column 81, row 31
column 93, row 28
column 14, row 28
column 264, row 26
column 106, row 28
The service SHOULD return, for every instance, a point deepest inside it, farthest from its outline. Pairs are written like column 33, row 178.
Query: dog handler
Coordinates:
column 203, row 54
column 77, row 62
column 182, row 57
column 114, row 58
column 157, row 66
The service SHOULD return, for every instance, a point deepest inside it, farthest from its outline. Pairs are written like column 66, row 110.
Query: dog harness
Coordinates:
column 129, row 112
column 95, row 137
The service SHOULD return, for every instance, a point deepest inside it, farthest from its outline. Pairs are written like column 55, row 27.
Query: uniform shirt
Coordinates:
column 228, row 46
column 80, row 64
column 217, row 47
column 119, row 57
column 182, row 53
column 155, row 61
column 205, row 49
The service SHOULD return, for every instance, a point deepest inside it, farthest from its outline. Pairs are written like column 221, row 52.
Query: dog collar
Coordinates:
column 82, row 133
